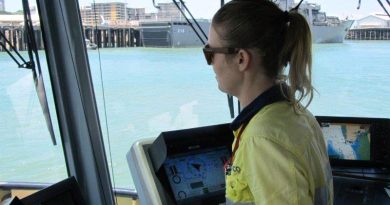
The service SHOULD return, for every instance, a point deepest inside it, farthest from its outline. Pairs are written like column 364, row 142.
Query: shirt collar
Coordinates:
column 272, row 95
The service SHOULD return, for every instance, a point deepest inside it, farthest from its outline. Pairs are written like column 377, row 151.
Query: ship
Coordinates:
column 325, row 29
column 169, row 27
column 173, row 33
column 177, row 32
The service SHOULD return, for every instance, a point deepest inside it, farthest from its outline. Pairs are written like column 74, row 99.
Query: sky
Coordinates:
column 206, row 8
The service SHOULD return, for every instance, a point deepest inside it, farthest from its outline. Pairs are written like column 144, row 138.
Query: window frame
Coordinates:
column 74, row 99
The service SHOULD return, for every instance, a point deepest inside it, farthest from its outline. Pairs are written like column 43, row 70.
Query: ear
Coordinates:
column 243, row 60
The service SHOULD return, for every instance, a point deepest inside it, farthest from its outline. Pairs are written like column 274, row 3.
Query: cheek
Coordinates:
column 216, row 70
column 224, row 79
column 220, row 72
column 218, row 65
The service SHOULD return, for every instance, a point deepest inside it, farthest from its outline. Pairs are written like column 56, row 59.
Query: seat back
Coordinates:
column 66, row 192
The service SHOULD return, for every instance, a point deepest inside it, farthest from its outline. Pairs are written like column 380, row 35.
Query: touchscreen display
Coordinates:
column 196, row 174
column 347, row 141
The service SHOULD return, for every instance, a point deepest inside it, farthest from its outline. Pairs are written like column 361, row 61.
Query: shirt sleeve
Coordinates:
column 274, row 174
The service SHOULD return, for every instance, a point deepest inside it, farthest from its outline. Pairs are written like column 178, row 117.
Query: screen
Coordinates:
column 347, row 141
column 196, row 174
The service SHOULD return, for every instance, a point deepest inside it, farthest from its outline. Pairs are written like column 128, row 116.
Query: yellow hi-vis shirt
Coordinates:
column 281, row 160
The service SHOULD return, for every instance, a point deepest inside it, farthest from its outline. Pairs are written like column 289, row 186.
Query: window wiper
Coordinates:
column 155, row 6
column 24, row 63
column 36, row 68
column 383, row 7
column 381, row 4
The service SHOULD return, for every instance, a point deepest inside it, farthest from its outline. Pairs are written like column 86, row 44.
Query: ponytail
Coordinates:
column 297, row 55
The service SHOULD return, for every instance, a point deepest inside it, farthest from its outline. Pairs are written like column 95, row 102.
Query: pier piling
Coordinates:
column 369, row 34
column 104, row 37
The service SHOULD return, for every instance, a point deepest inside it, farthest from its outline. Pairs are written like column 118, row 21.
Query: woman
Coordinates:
column 279, row 153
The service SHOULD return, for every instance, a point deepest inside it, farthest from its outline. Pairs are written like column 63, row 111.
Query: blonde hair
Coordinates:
column 297, row 53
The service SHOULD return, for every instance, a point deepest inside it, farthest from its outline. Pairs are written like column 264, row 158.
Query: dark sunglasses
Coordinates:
column 209, row 52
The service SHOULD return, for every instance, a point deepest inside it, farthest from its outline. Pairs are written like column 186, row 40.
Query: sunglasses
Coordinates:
column 209, row 52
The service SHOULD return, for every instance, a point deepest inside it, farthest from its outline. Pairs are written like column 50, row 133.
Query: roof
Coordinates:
column 376, row 15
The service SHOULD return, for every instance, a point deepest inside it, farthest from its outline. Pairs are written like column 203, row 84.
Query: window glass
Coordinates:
column 144, row 98
column 149, row 89
column 351, row 79
column 26, row 149
column 142, row 89
column 148, row 81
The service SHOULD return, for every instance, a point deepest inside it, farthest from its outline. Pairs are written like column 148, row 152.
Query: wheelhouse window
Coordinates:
column 26, row 144
column 150, row 76
column 142, row 89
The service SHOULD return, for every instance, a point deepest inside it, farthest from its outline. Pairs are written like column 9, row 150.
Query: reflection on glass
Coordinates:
column 26, row 150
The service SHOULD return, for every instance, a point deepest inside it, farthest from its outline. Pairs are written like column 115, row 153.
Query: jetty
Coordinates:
column 372, row 27
column 103, row 36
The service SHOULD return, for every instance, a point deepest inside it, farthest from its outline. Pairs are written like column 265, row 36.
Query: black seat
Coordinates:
column 66, row 192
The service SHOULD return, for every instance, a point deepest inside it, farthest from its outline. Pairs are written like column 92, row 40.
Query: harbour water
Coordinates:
column 150, row 90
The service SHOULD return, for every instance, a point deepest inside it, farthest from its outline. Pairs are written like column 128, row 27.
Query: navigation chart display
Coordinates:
column 347, row 141
column 196, row 174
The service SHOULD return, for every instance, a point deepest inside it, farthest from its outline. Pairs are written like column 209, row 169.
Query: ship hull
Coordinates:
column 173, row 34
column 180, row 34
column 331, row 34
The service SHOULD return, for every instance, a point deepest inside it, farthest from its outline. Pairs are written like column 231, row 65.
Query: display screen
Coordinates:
column 195, row 174
column 347, row 141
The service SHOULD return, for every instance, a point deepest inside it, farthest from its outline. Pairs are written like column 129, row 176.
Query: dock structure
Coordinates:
column 371, row 27
column 104, row 37
column 369, row 34
column 113, row 37
column 17, row 37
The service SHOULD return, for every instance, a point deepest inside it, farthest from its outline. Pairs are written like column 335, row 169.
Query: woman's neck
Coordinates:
column 252, row 89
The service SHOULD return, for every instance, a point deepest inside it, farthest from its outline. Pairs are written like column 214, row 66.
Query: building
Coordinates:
column 135, row 13
column 373, row 21
column 17, row 20
column 372, row 27
column 113, row 13
column 116, row 13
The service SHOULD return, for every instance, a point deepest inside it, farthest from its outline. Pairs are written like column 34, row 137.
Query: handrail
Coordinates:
column 38, row 185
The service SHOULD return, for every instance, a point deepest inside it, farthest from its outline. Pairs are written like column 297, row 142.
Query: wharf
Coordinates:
column 103, row 36
column 369, row 34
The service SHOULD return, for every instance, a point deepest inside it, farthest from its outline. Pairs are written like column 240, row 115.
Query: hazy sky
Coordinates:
column 206, row 8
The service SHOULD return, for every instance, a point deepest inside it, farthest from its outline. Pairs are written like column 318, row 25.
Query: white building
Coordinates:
column 110, row 13
column 372, row 27
column 17, row 20
column 373, row 21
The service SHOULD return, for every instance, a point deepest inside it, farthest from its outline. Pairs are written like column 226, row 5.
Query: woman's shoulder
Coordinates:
column 280, row 123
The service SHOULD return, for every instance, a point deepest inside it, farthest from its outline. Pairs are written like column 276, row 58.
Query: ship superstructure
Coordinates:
column 174, row 31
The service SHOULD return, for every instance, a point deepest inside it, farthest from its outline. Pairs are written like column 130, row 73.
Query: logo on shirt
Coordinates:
column 236, row 169
column 231, row 168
